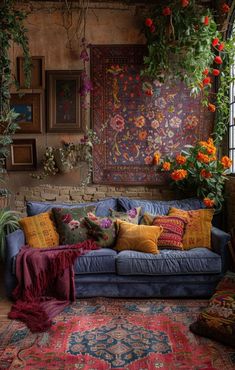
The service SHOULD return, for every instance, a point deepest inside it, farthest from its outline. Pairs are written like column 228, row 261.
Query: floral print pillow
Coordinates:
column 101, row 229
column 132, row 215
column 69, row 223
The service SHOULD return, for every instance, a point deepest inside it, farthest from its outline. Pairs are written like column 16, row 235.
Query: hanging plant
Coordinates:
column 184, row 43
column 12, row 29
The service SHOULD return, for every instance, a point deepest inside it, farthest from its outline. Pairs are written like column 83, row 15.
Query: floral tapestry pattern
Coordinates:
column 140, row 117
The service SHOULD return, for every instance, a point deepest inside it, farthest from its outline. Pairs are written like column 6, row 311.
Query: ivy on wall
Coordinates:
column 184, row 43
column 12, row 30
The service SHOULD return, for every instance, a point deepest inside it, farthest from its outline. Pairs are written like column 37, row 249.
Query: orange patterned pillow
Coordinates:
column 140, row 238
column 40, row 231
column 198, row 228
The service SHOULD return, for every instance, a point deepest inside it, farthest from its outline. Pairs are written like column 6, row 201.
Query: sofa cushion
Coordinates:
column 141, row 238
column 132, row 215
column 69, row 222
column 102, row 206
column 168, row 262
column 100, row 261
column 101, row 229
column 40, row 231
column 198, row 227
column 173, row 231
column 157, row 207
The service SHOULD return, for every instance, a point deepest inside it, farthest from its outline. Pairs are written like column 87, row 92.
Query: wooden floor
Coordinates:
column 5, row 303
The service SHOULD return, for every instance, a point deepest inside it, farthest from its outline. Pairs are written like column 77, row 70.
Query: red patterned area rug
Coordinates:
column 106, row 333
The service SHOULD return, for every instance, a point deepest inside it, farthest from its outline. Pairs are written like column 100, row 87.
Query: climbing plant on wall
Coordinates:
column 184, row 43
column 12, row 30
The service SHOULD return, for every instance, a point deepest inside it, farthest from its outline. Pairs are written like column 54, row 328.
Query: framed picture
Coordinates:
column 37, row 73
column 29, row 108
column 64, row 111
column 22, row 155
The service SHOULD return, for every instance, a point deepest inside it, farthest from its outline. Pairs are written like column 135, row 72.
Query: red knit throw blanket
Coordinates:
column 45, row 283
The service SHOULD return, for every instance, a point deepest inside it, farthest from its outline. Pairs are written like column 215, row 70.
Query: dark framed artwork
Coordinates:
column 139, row 117
column 29, row 108
column 22, row 155
column 37, row 72
column 64, row 110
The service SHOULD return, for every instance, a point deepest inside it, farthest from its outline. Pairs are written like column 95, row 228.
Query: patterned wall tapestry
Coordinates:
column 140, row 118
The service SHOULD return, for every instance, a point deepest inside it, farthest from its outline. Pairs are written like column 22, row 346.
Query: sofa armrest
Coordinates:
column 219, row 242
column 14, row 241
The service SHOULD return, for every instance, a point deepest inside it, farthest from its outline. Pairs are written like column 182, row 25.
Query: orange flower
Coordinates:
column 213, row 158
column 203, row 143
column 181, row 159
column 211, row 107
column 206, row 174
column 201, row 157
column 208, row 202
column 166, row 166
column 211, row 150
column 156, row 158
column 226, row 162
column 179, row 175
column 210, row 141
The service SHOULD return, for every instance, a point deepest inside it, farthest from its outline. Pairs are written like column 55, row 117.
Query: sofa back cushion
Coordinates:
column 157, row 207
column 102, row 206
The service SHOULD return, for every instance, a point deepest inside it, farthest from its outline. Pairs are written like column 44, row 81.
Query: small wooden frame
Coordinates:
column 22, row 155
column 37, row 73
column 29, row 107
column 64, row 110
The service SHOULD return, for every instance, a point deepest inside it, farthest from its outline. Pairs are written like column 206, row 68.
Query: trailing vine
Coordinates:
column 223, row 97
column 12, row 29
column 184, row 43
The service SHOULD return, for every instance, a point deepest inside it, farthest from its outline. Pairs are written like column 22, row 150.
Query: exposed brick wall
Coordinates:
column 70, row 194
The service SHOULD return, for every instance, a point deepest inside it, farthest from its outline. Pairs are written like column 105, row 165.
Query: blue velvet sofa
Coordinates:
column 104, row 272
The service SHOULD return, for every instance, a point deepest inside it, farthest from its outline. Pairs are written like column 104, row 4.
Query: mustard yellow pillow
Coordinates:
column 40, row 231
column 198, row 227
column 140, row 238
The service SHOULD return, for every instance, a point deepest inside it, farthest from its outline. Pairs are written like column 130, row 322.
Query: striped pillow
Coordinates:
column 173, row 231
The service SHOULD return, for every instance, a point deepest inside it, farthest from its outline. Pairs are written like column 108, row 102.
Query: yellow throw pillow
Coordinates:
column 198, row 227
column 40, row 231
column 140, row 238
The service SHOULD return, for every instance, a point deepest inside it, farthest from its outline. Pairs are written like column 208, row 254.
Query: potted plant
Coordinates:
column 197, row 168
column 8, row 224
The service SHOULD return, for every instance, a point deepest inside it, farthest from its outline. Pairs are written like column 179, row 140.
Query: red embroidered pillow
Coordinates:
column 173, row 231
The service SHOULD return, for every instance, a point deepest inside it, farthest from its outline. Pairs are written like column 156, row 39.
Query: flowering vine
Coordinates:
column 184, row 43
